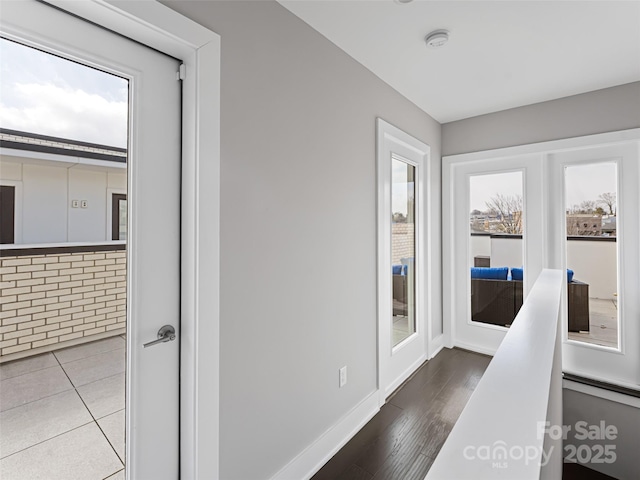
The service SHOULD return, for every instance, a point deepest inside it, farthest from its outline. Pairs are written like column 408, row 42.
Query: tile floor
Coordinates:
column 62, row 414
column 603, row 324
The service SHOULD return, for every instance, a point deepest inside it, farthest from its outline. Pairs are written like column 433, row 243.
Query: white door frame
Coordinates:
column 163, row 29
column 553, row 224
column 413, row 351
column 461, row 331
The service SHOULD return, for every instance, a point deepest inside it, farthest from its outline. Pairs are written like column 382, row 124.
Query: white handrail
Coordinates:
column 501, row 432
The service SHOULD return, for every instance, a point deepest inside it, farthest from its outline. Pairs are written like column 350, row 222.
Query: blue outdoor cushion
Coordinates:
column 396, row 269
column 517, row 273
column 493, row 273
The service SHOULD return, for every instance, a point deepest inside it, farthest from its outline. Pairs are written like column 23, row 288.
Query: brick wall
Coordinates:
column 56, row 300
column 402, row 242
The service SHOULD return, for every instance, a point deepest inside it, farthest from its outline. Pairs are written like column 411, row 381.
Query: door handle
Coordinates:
column 165, row 334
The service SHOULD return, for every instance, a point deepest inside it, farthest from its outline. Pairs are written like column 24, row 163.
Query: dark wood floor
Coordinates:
column 403, row 439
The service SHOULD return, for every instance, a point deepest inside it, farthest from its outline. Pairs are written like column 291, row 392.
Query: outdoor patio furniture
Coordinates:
column 496, row 300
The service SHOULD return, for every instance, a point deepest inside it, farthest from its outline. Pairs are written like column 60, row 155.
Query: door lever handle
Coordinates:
column 165, row 334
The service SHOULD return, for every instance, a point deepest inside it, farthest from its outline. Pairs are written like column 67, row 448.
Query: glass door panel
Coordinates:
column 403, row 249
column 496, row 226
column 65, row 139
column 591, row 250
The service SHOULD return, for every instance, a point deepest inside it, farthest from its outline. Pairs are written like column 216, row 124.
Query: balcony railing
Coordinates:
column 57, row 295
column 501, row 432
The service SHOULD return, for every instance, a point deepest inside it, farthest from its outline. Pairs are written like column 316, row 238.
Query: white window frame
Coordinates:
column 165, row 30
column 459, row 329
column 554, row 225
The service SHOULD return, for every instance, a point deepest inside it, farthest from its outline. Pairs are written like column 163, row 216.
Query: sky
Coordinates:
column 44, row 94
column 586, row 182
column 401, row 190
column 583, row 182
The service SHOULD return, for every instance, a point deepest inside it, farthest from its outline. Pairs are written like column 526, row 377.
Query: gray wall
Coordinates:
column 580, row 406
column 607, row 110
column 298, row 229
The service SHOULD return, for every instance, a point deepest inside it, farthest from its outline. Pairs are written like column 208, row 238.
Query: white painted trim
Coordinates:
column 159, row 27
column 17, row 210
column 555, row 146
column 472, row 347
column 396, row 364
column 312, row 458
column 398, row 381
column 602, row 393
column 145, row 21
column 435, row 346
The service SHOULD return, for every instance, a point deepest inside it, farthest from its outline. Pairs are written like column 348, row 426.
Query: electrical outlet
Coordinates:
column 75, row 203
column 343, row 376
column 84, row 204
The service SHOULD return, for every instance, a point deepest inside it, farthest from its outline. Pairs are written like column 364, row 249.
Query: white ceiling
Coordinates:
column 501, row 54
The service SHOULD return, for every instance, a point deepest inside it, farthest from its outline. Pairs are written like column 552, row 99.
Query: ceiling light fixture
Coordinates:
column 403, row 1
column 437, row 38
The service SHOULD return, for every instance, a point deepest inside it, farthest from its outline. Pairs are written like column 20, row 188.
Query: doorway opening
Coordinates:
column 64, row 134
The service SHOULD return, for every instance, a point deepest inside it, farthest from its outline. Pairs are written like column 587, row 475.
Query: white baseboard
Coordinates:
column 402, row 378
column 435, row 346
column 312, row 458
column 475, row 348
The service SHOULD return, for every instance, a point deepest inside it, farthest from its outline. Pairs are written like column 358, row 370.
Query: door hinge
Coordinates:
column 181, row 74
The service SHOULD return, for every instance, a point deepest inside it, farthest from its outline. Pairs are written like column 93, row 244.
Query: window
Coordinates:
column 7, row 214
column 591, row 191
column 118, row 216
column 496, row 225
column 403, row 249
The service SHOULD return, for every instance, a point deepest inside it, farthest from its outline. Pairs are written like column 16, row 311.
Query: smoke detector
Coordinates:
column 437, row 38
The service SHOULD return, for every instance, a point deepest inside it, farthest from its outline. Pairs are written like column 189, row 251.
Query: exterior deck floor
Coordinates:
column 62, row 413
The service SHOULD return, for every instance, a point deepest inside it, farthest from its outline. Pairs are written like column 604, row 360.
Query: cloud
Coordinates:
column 50, row 109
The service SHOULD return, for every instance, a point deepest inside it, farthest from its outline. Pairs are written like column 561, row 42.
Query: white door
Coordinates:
column 580, row 211
column 402, row 243
column 610, row 349
column 471, row 190
column 153, row 263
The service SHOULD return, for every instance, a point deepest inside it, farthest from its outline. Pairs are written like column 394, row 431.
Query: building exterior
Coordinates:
column 63, row 251
column 584, row 225
column 57, row 190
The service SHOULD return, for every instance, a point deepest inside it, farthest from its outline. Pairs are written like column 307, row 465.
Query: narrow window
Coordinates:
column 403, row 249
column 496, row 247
column 591, row 196
column 7, row 214
column 118, row 216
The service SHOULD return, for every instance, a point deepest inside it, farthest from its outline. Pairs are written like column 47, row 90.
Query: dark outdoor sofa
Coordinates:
column 399, row 278
column 496, row 298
